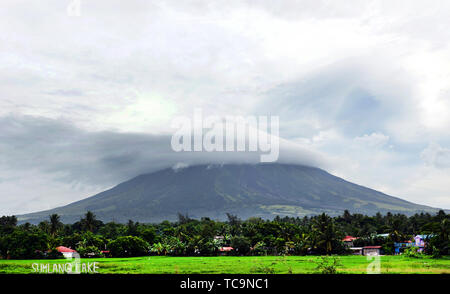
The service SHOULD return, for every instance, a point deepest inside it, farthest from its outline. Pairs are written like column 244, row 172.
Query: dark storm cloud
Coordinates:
column 72, row 155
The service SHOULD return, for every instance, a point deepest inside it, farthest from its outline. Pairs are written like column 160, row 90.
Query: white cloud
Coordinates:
column 347, row 79
column 376, row 140
column 436, row 156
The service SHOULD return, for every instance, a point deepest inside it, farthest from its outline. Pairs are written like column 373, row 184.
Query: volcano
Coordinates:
column 246, row 190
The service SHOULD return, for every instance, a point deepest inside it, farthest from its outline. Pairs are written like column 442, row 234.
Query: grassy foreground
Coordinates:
column 239, row 265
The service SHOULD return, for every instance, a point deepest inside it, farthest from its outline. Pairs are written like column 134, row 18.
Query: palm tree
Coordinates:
column 132, row 228
column 439, row 242
column 443, row 229
column 444, row 238
column 44, row 226
column 55, row 224
column 325, row 232
column 347, row 216
column 89, row 221
column 395, row 232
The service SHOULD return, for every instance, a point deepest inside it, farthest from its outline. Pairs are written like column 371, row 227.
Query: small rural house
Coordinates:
column 225, row 250
column 421, row 241
column 371, row 250
column 366, row 250
column 401, row 246
column 67, row 252
column 383, row 235
column 356, row 250
column 348, row 241
column 106, row 253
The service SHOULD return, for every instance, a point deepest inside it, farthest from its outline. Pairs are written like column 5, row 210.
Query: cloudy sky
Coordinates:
column 361, row 88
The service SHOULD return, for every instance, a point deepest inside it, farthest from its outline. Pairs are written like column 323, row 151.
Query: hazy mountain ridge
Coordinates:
column 263, row 190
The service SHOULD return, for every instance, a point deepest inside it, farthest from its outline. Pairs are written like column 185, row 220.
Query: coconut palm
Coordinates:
column 89, row 221
column 55, row 224
column 325, row 231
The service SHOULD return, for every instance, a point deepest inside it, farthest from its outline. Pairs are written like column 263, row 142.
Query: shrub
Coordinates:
column 54, row 254
column 328, row 265
column 128, row 246
column 259, row 248
column 23, row 245
column 412, row 252
column 89, row 251
column 241, row 245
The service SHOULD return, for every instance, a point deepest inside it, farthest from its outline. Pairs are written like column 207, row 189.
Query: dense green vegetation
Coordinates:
column 317, row 235
column 244, row 265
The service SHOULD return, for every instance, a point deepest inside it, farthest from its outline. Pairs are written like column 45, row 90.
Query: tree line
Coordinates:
column 320, row 235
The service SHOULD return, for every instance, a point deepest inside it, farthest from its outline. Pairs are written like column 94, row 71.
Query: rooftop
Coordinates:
column 64, row 249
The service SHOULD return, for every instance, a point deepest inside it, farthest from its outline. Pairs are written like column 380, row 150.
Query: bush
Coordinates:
column 438, row 246
column 412, row 252
column 328, row 265
column 148, row 234
column 23, row 245
column 264, row 269
column 54, row 254
column 241, row 245
column 260, row 248
column 89, row 251
column 128, row 246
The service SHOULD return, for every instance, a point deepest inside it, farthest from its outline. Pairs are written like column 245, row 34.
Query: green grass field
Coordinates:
column 239, row 265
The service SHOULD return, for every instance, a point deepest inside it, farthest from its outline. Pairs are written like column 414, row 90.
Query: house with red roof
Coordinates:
column 371, row 250
column 348, row 240
column 225, row 250
column 67, row 252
